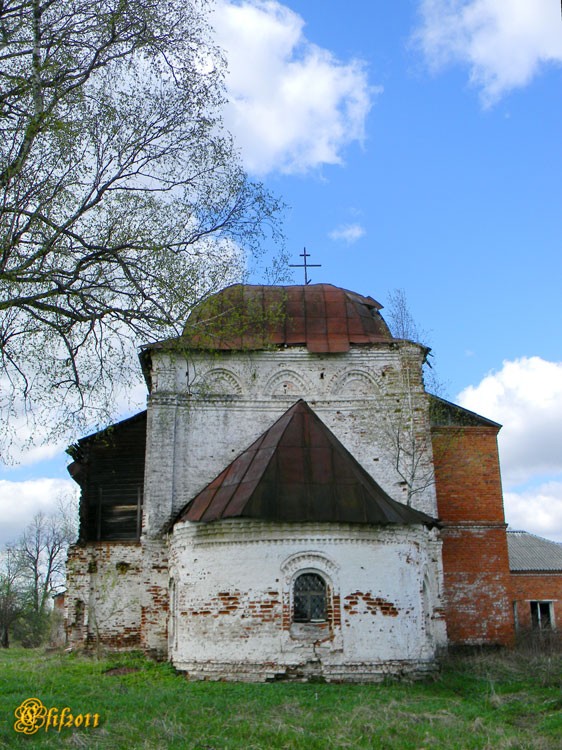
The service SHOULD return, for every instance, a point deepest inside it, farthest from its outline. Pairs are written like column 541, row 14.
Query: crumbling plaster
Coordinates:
column 103, row 603
column 232, row 588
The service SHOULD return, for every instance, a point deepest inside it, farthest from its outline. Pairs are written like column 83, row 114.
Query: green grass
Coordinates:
column 486, row 701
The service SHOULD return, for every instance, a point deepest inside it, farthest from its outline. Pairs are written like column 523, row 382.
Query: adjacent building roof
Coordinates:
column 443, row 413
column 299, row 471
column 528, row 552
column 322, row 317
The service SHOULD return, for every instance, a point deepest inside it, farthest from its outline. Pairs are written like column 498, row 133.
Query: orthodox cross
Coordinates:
column 305, row 265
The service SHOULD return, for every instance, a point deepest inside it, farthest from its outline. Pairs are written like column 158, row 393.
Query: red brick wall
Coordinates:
column 467, row 474
column 475, row 561
column 528, row 587
column 155, row 597
column 103, row 594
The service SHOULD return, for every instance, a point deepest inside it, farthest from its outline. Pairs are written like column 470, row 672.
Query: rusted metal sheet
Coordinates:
column 322, row 317
column 299, row 471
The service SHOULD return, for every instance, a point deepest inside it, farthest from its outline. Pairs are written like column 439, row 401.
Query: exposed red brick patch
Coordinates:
column 229, row 603
column 372, row 604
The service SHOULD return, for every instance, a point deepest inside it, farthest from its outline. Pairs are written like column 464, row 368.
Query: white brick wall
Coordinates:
column 205, row 413
column 232, row 604
column 230, row 592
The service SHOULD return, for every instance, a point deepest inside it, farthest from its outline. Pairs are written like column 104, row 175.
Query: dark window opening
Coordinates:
column 541, row 616
column 309, row 598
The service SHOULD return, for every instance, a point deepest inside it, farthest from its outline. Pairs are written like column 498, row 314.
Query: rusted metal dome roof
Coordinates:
column 299, row 471
column 322, row 317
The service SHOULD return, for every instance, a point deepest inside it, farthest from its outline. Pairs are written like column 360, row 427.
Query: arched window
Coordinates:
column 309, row 598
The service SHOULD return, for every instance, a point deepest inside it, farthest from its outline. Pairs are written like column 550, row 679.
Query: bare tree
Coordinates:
column 403, row 325
column 122, row 200
column 42, row 557
column 407, row 437
column 400, row 320
column 32, row 570
column 406, row 433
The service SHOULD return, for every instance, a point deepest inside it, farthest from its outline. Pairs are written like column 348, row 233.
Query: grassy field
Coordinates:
column 485, row 701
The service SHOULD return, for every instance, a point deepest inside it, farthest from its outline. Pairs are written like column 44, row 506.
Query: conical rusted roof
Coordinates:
column 299, row 471
column 322, row 317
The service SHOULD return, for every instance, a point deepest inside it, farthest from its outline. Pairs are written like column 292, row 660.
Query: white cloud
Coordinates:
column 503, row 42
column 538, row 510
column 293, row 105
column 21, row 501
column 525, row 396
column 22, row 451
column 30, row 441
column 349, row 233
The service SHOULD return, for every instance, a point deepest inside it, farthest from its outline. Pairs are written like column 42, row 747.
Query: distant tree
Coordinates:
column 32, row 570
column 42, row 555
column 122, row 200
column 11, row 594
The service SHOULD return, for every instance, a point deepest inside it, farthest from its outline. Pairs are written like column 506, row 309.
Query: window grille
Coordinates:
column 309, row 598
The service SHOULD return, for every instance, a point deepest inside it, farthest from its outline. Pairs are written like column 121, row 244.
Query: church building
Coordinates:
column 292, row 503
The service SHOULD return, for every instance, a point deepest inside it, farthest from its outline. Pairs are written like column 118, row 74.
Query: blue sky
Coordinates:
column 417, row 145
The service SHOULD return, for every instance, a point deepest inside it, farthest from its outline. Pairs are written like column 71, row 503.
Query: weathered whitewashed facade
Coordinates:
column 233, row 589
column 288, row 502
